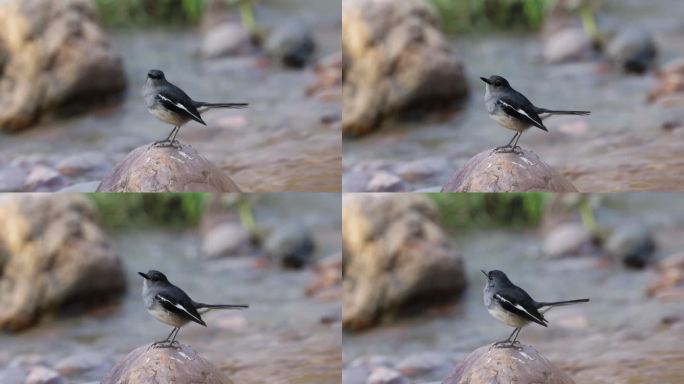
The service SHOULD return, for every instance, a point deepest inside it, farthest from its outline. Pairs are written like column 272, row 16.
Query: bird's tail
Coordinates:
column 560, row 303
column 201, row 104
column 220, row 306
column 553, row 112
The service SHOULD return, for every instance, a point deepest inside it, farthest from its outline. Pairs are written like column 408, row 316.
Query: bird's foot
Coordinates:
column 507, row 344
column 166, row 344
column 166, row 144
column 508, row 149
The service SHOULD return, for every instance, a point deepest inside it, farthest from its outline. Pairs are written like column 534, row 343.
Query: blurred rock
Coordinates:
column 12, row 178
column 44, row 375
column 227, row 239
column 506, row 365
column 57, row 61
column 396, row 258
column 166, row 169
column 328, row 83
column 83, row 162
column 44, row 179
column 670, row 80
column 670, row 276
column 146, row 365
column 384, row 375
column 291, row 44
column 327, row 283
column 631, row 243
column 355, row 180
column 633, row 49
column 489, row 171
column 290, row 246
column 54, row 255
column 85, row 187
column 569, row 44
column 227, row 39
column 356, row 374
column 395, row 59
column 421, row 364
column 568, row 239
column 422, row 169
column 13, row 374
column 80, row 363
column 383, row 181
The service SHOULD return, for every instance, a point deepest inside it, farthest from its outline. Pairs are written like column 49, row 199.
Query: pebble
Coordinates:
column 79, row 363
column 43, row 375
column 384, row 181
column 632, row 243
column 78, row 164
column 227, row 239
column 384, row 375
column 422, row 363
column 292, row 44
column 227, row 39
column 291, row 246
column 44, row 179
column 421, row 169
column 570, row 44
column 565, row 240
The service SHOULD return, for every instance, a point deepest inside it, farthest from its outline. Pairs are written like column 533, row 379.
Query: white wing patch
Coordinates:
column 182, row 308
column 520, row 307
column 519, row 110
column 179, row 105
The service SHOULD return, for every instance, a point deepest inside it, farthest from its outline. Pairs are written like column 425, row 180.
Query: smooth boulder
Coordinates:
column 491, row 171
column 506, row 365
column 53, row 254
column 55, row 60
column 397, row 258
column 146, row 365
column 396, row 59
column 166, row 169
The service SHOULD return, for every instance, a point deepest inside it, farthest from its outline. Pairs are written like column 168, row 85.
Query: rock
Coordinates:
column 85, row 187
column 670, row 276
column 227, row 39
column 506, row 365
column 565, row 240
column 44, row 179
column 80, row 363
column 327, row 282
column 291, row 246
column 422, row 364
column 569, row 44
column 13, row 374
column 356, row 374
column 421, row 169
column 83, row 162
column 227, row 239
column 12, row 179
column 168, row 169
column 383, row 181
column 57, row 61
column 291, row 44
column 489, row 171
column 328, row 82
column 670, row 80
column 43, row 375
column 164, row 365
column 54, row 254
column 396, row 258
column 633, row 49
column 396, row 59
column 355, row 180
column 384, row 375
column 631, row 243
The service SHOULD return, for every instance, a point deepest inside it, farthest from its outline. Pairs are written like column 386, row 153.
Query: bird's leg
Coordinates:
column 173, row 139
column 165, row 343
column 507, row 341
column 174, row 337
column 515, row 145
column 167, row 142
column 508, row 147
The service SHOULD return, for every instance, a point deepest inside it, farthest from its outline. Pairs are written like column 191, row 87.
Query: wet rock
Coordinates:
column 670, row 80
column 633, row 49
column 632, row 244
column 54, row 255
column 43, row 179
column 168, row 169
column 566, row 240
column 80, row 363
column 421, row 169
column 383, row 181
column 506, row 365
column 292, row 44
column 165, row 365
column 57, row 61
column 670, row 277
column 328, row 83
column 396, row 59
column 489, row 171
column 227, row 39
column 569, row 44
column 397, row 258
column 384, row 375
column 227, row 239
column 12, row 178
column 291, row 246
column 82, row 163
column 422, row 364
column 44, row 375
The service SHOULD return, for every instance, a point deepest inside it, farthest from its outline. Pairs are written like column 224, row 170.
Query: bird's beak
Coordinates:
column 144, row 275
column 485, row 273
column 485, row 80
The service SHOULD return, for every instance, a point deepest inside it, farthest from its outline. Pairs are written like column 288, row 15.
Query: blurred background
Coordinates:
column 71, row 74
column 413, row 99
column 413, row 306
column 70, row 295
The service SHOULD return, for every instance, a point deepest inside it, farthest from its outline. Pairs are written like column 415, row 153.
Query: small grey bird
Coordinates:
column 512, row 306
column 170, row 305
column 514, row 111
column 171, row 105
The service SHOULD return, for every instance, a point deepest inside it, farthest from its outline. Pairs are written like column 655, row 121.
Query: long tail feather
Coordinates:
column 221, row 105
column 560, row 303
column 552, row 112
column 220, row 306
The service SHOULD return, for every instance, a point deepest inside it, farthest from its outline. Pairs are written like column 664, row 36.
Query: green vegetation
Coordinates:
column 478, row 15
column 478, row 210
column 150, row 209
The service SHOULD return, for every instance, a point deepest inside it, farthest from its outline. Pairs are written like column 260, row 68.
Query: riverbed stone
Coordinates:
column 632, row 243
column 229, row 38
column 81, row 163
column 53, row 254
column 44, row 375
column 633, row 49
column 422, row 363
column 384, row 181
column 567, row 239
column 291, row 246
column 397, row 258
column 488, row 365
column 568, row 44
column 44, row 179
column 396, row 59
column 385, row 375
column 670, row 80
column 56, row 61
column 145, row 365
column 291, row 44
column 227, row 239
column 491, row 171
column 150, row 168
column 12, row 178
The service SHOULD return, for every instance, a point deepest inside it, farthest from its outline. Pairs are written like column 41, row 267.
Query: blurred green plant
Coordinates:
column 131, row 210
column 486, row 210
column 478, row 15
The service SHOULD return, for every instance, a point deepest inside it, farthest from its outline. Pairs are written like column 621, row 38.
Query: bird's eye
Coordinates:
column 498, row 83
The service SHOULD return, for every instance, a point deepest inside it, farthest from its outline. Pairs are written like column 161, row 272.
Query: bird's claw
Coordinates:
column 166, row 344
column 506, row 344
column 166, row 144
column 508, row 149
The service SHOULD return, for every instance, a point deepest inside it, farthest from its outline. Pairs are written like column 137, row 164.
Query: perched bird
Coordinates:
column 514, row 111
column 512, row 306
column 171, row 105
column 170, row 305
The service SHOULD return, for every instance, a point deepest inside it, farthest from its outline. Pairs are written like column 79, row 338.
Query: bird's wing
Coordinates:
column 174, row 99
column 182, row 307
column 512, row 303
column 521, row 111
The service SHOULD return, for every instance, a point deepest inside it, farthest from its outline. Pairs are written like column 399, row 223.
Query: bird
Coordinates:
column 512, row 110
column 171, row 305
column 172, row 105
column 513, row 306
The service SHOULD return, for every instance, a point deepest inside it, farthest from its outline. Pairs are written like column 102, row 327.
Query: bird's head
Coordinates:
column 496, row 82
column 155, row 77
column 495, row 277
column 154, row 276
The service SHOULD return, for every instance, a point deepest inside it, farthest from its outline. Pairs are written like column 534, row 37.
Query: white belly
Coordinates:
column 166, row 116
column 507, row 317
column 510, row 122
column 162, row 315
